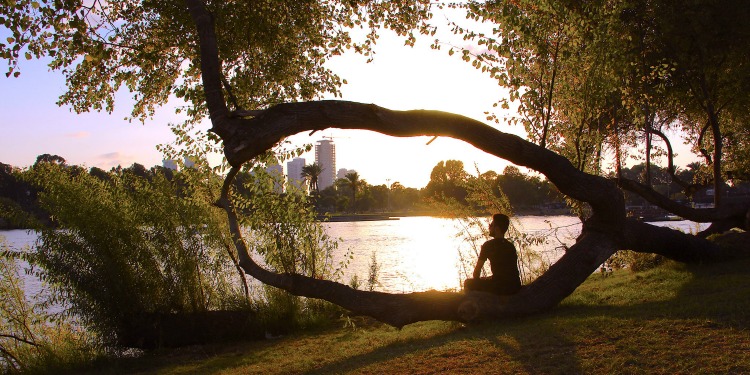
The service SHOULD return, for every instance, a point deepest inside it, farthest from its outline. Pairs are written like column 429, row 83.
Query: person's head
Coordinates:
column 499, row 225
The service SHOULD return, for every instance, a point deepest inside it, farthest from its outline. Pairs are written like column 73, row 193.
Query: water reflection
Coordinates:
column 422, row 253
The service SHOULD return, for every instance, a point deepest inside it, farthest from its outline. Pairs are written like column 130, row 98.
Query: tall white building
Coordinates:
column 169, row 164
column 325, row 156
column 277, row 173
column 294, row 172
column 189, row 162
column 343, row 172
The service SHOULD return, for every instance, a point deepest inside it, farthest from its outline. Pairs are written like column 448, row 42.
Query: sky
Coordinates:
column 399, row 78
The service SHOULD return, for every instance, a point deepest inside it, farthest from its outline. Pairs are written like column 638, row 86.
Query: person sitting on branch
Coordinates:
column 503, row 259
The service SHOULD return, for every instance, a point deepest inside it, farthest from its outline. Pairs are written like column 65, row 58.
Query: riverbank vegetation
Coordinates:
column 450, row 182
column 669, row 319
column 118, row 273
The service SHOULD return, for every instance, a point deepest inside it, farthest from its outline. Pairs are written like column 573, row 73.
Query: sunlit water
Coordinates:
column 413, row 253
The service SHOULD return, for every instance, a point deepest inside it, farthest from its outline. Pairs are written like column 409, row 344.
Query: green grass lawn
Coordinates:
column 672, row 319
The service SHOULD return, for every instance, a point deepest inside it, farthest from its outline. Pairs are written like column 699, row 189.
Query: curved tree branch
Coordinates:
column 602, row 235
column 246, row 138
column 670, row 163
column 251, row 137
column 701, row 215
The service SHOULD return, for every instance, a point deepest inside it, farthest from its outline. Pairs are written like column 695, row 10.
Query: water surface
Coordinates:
column 415, row 253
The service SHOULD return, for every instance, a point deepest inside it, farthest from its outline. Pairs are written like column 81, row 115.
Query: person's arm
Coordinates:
column 480, row 263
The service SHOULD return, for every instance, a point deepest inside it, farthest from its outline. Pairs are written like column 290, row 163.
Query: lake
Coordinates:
column 417, row 253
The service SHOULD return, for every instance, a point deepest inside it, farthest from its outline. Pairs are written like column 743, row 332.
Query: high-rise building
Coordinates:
column 276, row 172
column 189, row 162
column 169, row 164
column 294, row 172
column 343, row 172
column 325, row 156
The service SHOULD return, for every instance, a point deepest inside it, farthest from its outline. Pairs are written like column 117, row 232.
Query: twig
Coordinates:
column 14, row 337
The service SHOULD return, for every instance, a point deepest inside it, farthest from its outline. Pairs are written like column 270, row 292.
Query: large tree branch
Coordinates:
column 702, row 215
column 673, row 244
column 251, row 137
column 602, row 235
column 246, row 138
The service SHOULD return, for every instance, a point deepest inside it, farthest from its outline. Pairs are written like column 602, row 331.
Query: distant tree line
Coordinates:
column 449, row 182
column 352, row 194
column 18, row 197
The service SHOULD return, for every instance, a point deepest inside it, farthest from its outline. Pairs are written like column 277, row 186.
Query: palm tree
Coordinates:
column 352, row 181
column 311, row 172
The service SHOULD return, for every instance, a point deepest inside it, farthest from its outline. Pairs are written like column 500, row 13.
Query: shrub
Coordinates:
column 634, row 261
column 131, row 246
column 30, row 340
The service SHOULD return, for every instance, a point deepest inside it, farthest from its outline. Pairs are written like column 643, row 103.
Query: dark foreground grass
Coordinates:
column 673, row 319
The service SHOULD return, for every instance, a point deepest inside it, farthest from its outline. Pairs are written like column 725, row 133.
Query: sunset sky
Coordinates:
column 399, row 78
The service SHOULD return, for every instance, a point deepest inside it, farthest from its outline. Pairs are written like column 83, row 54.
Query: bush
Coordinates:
column 636, row 262
column 133, row 245
column 30, row 340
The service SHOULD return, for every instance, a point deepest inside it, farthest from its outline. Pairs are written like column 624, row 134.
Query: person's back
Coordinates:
column 504, row 265
column 503, row 262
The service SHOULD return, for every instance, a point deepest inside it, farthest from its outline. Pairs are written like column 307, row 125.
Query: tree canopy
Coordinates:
column 612, row 78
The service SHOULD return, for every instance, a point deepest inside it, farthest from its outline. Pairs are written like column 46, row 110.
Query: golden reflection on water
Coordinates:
column 413, row 253
column 422, row 253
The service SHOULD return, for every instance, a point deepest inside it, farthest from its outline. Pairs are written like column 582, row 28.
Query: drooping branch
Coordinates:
column 583, row 258
column 673, row 244
column 19, row 339
column 670, row 162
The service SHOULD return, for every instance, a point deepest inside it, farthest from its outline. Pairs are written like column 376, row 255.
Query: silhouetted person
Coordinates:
column 503, row 261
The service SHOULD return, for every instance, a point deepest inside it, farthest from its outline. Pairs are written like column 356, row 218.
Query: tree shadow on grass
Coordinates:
column 480, row 348
column 576, row 337
column 719, row 293
column 715, row 297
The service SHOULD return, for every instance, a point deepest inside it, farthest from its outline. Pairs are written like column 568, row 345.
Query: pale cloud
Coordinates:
column 78, row 135
column 113, row 159
column 110, row 156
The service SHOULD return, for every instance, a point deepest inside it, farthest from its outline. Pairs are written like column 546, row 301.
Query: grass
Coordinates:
column 672, row 319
